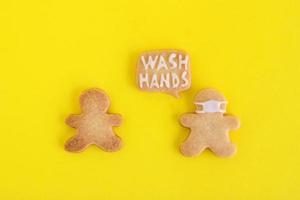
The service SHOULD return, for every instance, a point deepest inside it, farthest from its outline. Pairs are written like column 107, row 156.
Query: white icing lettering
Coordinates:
column 150, row 62
column 172, row 61
column 165, row 80
column 144, row 80
column 175, row 80
column 182, row 61
column 184, row 78
column 154, row 82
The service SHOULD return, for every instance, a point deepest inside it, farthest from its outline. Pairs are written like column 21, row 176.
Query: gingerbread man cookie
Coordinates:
column 94, row 125
column 209, row 126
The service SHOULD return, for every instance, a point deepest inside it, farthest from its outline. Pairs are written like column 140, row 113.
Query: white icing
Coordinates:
column 182, row 61
column 159, row 61
column 165, row 80
column 211, row 106
column 184, row 78
column 143, row 79
column 154, row 82
column 172, row 61
column 162, row 63
column 150, row 62
column 175, row 80
column 162, row 70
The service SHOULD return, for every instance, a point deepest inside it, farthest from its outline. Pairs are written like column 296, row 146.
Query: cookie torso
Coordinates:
column 95, row 126
column 208, row 127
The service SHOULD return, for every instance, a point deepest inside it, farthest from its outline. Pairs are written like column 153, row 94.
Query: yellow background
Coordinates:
column 52, row 50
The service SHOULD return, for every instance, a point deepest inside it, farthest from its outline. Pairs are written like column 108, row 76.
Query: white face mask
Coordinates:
column 211, row 106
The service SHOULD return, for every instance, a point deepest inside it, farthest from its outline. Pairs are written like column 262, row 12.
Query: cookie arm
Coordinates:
column 232, row 122
column 73, row 120
column 115, row 119
column 187, row 120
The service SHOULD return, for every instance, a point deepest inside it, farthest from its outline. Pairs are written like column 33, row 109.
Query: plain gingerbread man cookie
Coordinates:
column 209, row 126
column 94, row 125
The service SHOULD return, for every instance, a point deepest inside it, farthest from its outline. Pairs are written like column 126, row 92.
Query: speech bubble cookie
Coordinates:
column 164, row 71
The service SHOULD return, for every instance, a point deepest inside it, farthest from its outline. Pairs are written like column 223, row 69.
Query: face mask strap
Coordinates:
column 222, row 110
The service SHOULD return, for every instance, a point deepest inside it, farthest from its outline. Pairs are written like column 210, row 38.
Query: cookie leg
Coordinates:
column 110, row 143
column 76, row 144
column 224, row 150
column 192, row 147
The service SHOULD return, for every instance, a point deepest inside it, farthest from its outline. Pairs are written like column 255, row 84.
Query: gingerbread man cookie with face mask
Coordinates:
column 209, row 126
column 94, row 125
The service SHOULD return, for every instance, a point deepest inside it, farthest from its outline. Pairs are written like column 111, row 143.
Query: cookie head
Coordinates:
column 94, row 100
column 210, row 101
